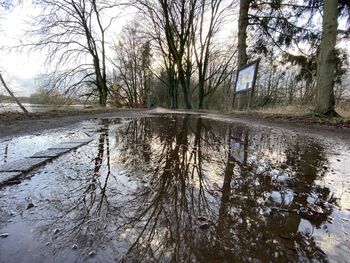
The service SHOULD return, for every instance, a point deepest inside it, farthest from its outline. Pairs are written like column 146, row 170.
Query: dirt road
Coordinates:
column 14, row 126
column 96, row 188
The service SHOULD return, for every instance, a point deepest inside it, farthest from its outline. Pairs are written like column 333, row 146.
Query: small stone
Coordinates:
column 316, row 209
column 30, row 205
column 4, row 235
column 47, row 244
column 309, row 213
column 75, row 246
column 330, row 219
column 57, row 230
column 92, row 253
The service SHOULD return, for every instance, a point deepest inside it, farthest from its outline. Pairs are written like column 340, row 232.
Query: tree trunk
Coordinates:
column 325, row 101
column 12, row 95
column 242, row 43
column 201, row 92
column 103, row 98
column 242, row 33
column 102, row 87
column 185, row 91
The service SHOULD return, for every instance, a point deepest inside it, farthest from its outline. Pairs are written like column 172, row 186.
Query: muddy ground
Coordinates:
column 157, row 186
column 19, row 124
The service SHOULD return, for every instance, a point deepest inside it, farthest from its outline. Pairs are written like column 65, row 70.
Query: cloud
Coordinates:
column 24, row 86
column 21, row 87
column 20, row 68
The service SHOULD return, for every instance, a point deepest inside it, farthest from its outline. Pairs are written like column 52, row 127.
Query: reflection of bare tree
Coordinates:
column 176, row 192
column 85, row 208
column 247, row 224
column 172, row 201
column 6, row 153
column 146, row 191
column 102, row 185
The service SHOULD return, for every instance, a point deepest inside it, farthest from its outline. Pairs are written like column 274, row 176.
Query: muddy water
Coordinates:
column 178, row 188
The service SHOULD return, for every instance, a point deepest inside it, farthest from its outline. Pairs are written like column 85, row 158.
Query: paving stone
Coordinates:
column 17, row 167
column 65, row 145
column 50, row 153
column 6, row 176
column 81, row 141
column 23, row 165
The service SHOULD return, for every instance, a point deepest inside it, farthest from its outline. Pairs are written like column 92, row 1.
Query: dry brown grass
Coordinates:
column 301, row 110
column 295, row 110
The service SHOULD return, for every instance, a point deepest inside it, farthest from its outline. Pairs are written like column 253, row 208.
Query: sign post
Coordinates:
column 245, row 80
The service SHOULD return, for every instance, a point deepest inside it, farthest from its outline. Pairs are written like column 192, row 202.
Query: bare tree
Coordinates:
column 74, row 35
column 211, row 17
column 133, row 59
column 174, row 20
column 165, row 69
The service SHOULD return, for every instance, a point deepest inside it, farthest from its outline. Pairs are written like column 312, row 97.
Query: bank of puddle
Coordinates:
column 180, row 188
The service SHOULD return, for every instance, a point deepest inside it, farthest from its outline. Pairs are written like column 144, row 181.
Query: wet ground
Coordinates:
column 178, row 188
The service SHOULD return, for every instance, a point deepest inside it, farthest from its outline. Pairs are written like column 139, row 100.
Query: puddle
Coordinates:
column 178, row 188
column 13, row 149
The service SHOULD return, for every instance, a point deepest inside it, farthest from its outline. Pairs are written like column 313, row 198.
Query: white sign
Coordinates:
column 236, row 149
column 246, row 77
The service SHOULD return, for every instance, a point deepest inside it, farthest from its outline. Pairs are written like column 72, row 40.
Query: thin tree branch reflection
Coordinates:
column 153, row 178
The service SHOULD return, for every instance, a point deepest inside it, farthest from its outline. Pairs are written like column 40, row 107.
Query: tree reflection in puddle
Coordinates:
column 178, row 188
column 188, row 172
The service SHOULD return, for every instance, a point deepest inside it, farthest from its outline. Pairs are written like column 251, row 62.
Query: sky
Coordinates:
column 21, row 69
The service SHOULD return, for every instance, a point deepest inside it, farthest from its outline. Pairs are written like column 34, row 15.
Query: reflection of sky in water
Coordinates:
column 140, row 189
column 24, row 146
